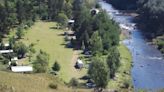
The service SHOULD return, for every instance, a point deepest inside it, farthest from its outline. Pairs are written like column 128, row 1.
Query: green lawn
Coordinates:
column 51, row 41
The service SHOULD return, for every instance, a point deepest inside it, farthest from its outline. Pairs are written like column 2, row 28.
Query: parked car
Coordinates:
column 90, row 85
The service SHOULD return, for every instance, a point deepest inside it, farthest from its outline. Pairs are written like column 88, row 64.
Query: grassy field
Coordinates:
column 51, row 40
column 33, row 83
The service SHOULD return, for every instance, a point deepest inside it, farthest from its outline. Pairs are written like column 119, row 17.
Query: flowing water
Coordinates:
column 148, row 63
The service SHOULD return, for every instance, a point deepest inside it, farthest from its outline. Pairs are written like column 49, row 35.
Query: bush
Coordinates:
column 53, row 86
column 41, row 63
column 73, row 82
column 56, row 66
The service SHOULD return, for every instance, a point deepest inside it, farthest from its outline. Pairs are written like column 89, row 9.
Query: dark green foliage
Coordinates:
column 113, row 61
column 3, row 60
column 99, row 72
column 20, row 49
column 74, row 82
column 56, row 66
column 26, row 12
column 20, row 32
column 96, row 43
column 12, row 41
column 41, row 63
column 53, row 86
column 62, row 20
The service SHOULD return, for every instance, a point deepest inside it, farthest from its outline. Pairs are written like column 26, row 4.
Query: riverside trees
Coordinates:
column 99, row 34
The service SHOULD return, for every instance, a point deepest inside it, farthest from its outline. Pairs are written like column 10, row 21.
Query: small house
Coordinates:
column 79, row 64
column 5, row 51
column 21, row 69
column 71, row 22
column 14, row 59
column 94, row 11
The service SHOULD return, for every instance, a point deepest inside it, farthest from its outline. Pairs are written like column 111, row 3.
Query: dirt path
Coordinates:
column 76, row 72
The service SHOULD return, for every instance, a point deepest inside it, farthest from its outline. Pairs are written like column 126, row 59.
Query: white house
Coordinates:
column 20, row 69
column 5, row 51
column 79, row 63
column 71, row 21
column 6, row 44
column 14, row 59
column 94, row 11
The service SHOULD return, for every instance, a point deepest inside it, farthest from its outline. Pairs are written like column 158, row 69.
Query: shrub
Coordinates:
column 56, row 66
column 53, row 86
column 73, row 82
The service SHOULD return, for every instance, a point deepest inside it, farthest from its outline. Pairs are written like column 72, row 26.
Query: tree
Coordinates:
column 56, row 66
column 12, row 41
column 41, row 63
column 73, row 82
column 31, row 51
column 96, row 43
column 62, row 19
column 20, row 32
column 20, row 49
column 99, row 73
column 113, row 61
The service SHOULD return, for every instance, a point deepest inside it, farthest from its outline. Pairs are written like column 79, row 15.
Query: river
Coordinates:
column 148, row 65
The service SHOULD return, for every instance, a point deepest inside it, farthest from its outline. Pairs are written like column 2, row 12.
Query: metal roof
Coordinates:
column 21, row 68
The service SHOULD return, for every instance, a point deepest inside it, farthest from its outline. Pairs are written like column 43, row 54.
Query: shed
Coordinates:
column 14, row 59
column 6, row 44
column 94, row 11
column 79, row 64
column 19, row 69
column 71, row 21
column 5, row 51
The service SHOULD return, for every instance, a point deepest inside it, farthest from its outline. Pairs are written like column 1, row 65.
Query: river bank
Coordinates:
column 148, row 63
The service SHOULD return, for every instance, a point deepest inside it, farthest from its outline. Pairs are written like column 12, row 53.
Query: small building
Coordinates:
column 20, row 69
column 71, row 21
column 6, row 44
column 79, row 64
column 5, row 51
column 94, row 11
column 14, row 59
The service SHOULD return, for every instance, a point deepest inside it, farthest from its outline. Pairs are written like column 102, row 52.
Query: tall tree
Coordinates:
column 113, row 61
column 99, row 73
column 96, row 43
column 41, row 63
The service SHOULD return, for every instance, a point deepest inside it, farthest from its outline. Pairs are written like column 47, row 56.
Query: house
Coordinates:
column 5, row 51
column 79, row 64
column 94, row 11
column 14, row 59
column 71, row 22
column 6, row 44
column 20, row 69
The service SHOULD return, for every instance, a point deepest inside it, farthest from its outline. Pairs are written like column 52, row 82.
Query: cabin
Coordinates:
column 94, row 11
column 71, row 22
column 5, row 51
column 6, row 44
column 14, row 59
column 79, row 64
column 21, row 69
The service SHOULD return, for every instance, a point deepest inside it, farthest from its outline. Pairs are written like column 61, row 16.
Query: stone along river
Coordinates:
column 148, row 64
